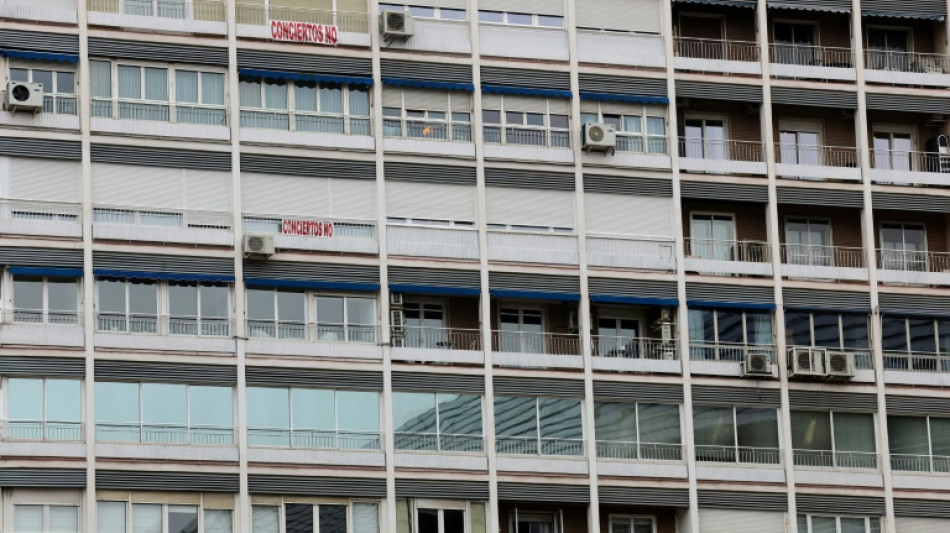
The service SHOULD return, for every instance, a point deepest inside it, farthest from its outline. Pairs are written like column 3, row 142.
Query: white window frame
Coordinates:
column 644, row 114
column 437, row 11
column 53, row 97
column 281, row 511
column 5, row 402
column 556, row 519
column 546, row 129
column 630, row 518
column 130, row 503
column 811, row 328
column 808, row 516
column 453, row 127
column 312, row 322
column 430, row 223
column 535, row 20
column 291, row 111
column 163, row 316
column 896, row 129
column 45, row 312
column 440, row 506
column 46, row 513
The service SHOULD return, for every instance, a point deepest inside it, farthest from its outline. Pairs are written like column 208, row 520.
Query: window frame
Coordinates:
column 630, row 518
column 538, row 439
column 64, row 317
column 439, row 434
column 440, row 506
column 868, row 528
column 349, row 504
column 45, row 526
column 643, row 137
column 163, row 321
column 6, row 402
column 835, row 450
column 54, row 99
column 677, row 447
column 737, row 447
column 291, row 112
column 535, row 20
column 437, row 11
column 558, row 138
column 200, row 507
column 455, row 130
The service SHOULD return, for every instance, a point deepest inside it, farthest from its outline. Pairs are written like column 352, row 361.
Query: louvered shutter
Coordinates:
column 438, row 201
column 921, row 525
column 559, row 106
column 48, row 180
column 528, row 104
column 618, row 214
column 461, row 101
column 392, row 96
column 731, row 521
column 625, row 15
column 353, row 199
column 267, row 194
column 508, row 205
column 207, row 190
column 426, row 99
column 137, row 186
column 491, row 101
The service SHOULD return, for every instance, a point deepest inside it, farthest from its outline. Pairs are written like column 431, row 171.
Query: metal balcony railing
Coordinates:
column 210, row 10
column 160, row 111
column 164, row 434
column 913, row 260
column 826, row 156
column 721, row 149
column 342, row 228
column 40, row 211
column 907, row 62
column 427, row 130
column 634, row 347
column 822, row 256
column 45, row 316
column 643, row 451
column 538, row 446
column 910, row 161
column 727, row 351
column 724, row 250
column 716, row 49
column 916, row 361
column 939, row 464
column 299, row 331
column 834, row 459
column 441, row 442
column 308, row 122
column 313, row 439
column 437, row 338
column 260, row 15
column 808, row 55
column 171, row 218
column 194, row 326
column 738, row 454
column 535, row 343
column 519, row 136
column 41, row 430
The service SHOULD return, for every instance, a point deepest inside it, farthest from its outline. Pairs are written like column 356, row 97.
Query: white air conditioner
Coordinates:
column 24, row 96
column 395, row 300
column 258, row 246
column 600, row 137
column 397, row 25
column 757, row 364
column 839, row 365
column 806, row 362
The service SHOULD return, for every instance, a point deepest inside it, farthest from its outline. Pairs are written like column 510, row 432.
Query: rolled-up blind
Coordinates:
column 161, row 187
column 541, row 7
column 620, row 214
column 353, row 199
column 425, row 99
column 729, row 521
column 437, row 201
column 624, row 15
column 509, row 205
column 48, row 180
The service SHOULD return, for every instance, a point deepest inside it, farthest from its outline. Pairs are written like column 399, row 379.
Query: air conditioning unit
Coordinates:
column 600, row 137
column 806, row 362
column 24, row 96
column 258, row 246
column 397, row 25
column 839, row 365
column 395, row 300
column 757, row 364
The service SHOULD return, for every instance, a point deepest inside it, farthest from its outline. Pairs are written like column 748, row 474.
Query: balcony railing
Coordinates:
column 822, row 256
column 169, row 218
column 313, row 439
column 528, row 136
column 907, row 62
column 642, row 451
column 920, row 463
column 727, row 351
column 428, row 241
column 738, row 454
column 717, row 49
column 39, row 211
column 807, row 55
column 193, row 326
column 160, row 111
column 630, row 252
column 723, row 250
column 914, row 260
column 437, row 338
column 342, row 229
column 441, row 442
column 41, row 430
column 259, row 15
column 210, row 10
column 538, row 446
column 634, row 347
column 46, row 316
column 299, row 331
column 535, row 343
column 826, row 156
column 916, row 361
column 721, row 149
column 307, row 122
column 910, row 161
column 835, row 459
column 427, row 130
column 164, row 434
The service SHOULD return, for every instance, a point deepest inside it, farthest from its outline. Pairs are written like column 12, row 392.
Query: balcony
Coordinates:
column 599, row 47
column 313, row 439
column 716, row 156
column 532, row 144
column 906, row 68
column 41, row 431
column 798, row 61
column 437, row 345
column 121, row 223
column 726, row 358
column 934, row 464
column 188, row 16
column 439, row 442
column 631, row 252
column 717, row 55
column 306, row 129
column 432, row 242
column 805, row 261
column 527, row 349
column 523, row 42
column 268, row 337
column 835, row 459
column 617, row 353
column 160, row 119
column 63, row 11
column 25, row 217
column 60, row 111
column 638, row 451
column 913, row 267
column 738, row 455
column 164, row 332
column 896, row 167
column 349, row 236
column 538, row 446
column 428, row 137
column 823, row 163
column 530, row 247
column 254, row 21
column 728, row 258
column 165, row 434
column 42, row 328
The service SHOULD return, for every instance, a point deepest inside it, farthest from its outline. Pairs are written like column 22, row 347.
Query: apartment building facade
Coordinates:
column 546, row 266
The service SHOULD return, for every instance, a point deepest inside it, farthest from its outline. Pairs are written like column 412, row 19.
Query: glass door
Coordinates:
column 795, row 44
column 808, row 242
column 425, row 325
column 521, row 330
column 800, row 147
column 713, row 237
column 892, row 150
column 887, row 49
column 705, row 139
column 903, row 247
column 618, row 337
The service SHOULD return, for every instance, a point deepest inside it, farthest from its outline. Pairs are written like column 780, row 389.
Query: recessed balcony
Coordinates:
column 717, row 55
column 621, row 353
column 913, row 267
column 721, row 156
column 804, row 160
column 536, row 349
column 714, row 257
column 904, row 167
column 808, row 261
column 802, row 61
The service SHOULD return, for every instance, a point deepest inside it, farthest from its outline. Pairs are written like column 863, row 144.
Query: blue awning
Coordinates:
column 425, row 84
column 434, row 290
column 625, row 98
column 297, row 76
column 733, row 3
column 536, row 295
column 44, row 271
column 164, row 276
column 40, row 56
column 312, row 284
column 904, row 15
column 709, row 304
column 632, row 300
column 525, row 91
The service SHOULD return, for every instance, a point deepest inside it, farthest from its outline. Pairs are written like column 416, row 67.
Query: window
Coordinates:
column 836, row 439
column 919, row 444
column 904, row 247
column 800, row 146
column 838, row 524
column 638, row 431
column 45, row 518
column 538, row 426
column 528, row 121
column 726, row 335
column 161, row 518
column 704, row 138
column 427, row 114
column 425, row 325
column 795, row 44
column 521, row 19
column 429, row 421
column 309, row 518
column 312, row 107
column 640, row 128
column 808, row 242
column 295, row 314
column 172, row 308
column 887, row 50
column 59, row 86
column 533, row 522
column 440, row 520
column 312, row 418
column 735, row 434
column 835, row 331
column 41, row 299
column 178, row 9
column 915, row 343
column 529, row 229
column 893, row 151
column 443, row 13
column 198, row 309
column 713, row 237
column 632, row 524
column 522, row 330
column 619, row 337
column 44, row 409
column 161, row 93
column 167, row 413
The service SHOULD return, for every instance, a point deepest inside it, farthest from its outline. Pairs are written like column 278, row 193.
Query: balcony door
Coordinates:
column 795, row 43
column 903, row 247
column 531, row 522
column 522, row 330
column 892, row 150
column 701, row 37
column 800, row 144
column 425, row 325
column 618, row 337
column 713, row 236
column 705, row 138
column 808, row 242
column 887, row 49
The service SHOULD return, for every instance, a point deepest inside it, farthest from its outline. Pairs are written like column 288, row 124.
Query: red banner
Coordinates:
column 307, row 228
column 303, row 32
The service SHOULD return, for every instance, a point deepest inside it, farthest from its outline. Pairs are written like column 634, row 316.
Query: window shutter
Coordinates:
column 507, row 205
column 392, row 96
column 125, row 185
column 526, row 104
column 541, row 7
column 266, row 194
column 921, row 525
column 48, row 180
column 461, row 101
column 491, row 101
column 626, row 15
column 559, row 106
column 731, row 521
column 207, row 190
column 437, row 201
column 426, row 99
column 353, row 199
column 616, row 214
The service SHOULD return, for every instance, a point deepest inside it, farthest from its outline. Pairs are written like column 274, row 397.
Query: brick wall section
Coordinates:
column 845, row 223
column 463, row 313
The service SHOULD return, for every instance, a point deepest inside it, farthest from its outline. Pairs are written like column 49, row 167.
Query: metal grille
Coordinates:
column 529, row 179
column 163, row 263
column 39, row 148
column 645, row 392
column 42, row 366
column 309, row 167
column 822, row 197
column 308, row 63
column 305, row 377
column 564, row 388
column 435, row 277
column 165, row 372
column 157, row 51
column 35, row 41
column 830, row 401
column 724, row 191
column 157, row 157
column 752, row 501
column 597, row 83
column 736, row 396
column 415, row 70
column 166, row 481
column 46, row 257
column 537, row 79
column 832, row 300
column 317, row 486
column 625, row 185
column 734, row 92
column 459, row 175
